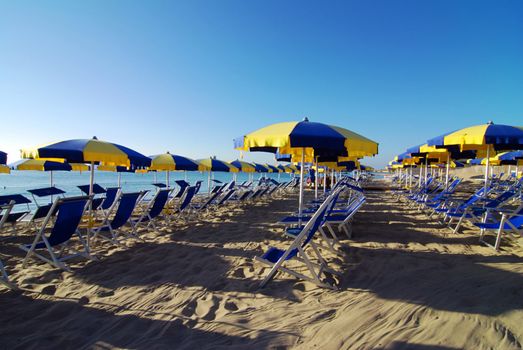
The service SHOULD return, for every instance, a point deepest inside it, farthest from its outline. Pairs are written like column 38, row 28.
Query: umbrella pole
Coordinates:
column 487, row 165
column 209, row 184
column 300, row 201
column 316, row 178
column 426, row 169
column 325, row 181
column 51, row 182
column 167, row 178
column 119, row 179
column 185, row 175
column 447, row 174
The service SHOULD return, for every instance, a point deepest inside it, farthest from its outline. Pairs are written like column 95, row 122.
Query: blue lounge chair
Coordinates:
column 14, row 217
column 111, row 195
column 183, row 187
column 474, row 213
column 97, row 190
column 70, row 211
column 126, row 204
column 509, row 223
column 42, row 210
column 185, row 208
column 276, row 258
column 153, row 209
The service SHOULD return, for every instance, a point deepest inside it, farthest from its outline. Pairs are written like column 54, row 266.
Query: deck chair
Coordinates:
column 183, row 187
column 509, row 223
column 42, row 210
column 97, row 190
column 475, row 214
column 14, row 217
column 225, row 197
column 186, row 206
column 153, row 209
column 126, row 203
column 203, row 206
column 69, row 214
column 109, row 201
column 276, row 258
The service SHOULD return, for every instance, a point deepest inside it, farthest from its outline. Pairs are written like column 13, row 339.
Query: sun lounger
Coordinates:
column 153, row 209
column 14, row 217
column 126, row 204
column 42, row 210
column 510, row 223
column 69, row 214
column 276, row 258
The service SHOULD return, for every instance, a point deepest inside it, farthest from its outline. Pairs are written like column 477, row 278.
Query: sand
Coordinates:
column 407, row 283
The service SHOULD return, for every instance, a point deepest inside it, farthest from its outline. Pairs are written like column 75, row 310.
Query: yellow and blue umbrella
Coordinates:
column 213, row 164
column 4, row 169
column 260, row 168
column 307, row 138
column 48, row 165
column 244, row 166
column 490, row 137
column 91, row 151
column 171, row 162
column 272, row 168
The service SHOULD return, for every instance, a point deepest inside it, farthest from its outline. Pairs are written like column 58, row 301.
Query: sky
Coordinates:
column 189, row 76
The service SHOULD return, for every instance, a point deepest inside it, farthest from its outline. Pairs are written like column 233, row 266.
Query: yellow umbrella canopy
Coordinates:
column 314, row 138
column 171, row 162
column 244, row 166
column 212, row 164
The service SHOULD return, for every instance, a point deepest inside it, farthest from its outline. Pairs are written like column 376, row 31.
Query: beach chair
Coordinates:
column 13, row 218
column 225, row 197
column 511, row 222
column 201, row 207
column 276, row 258
column 183, row 187
column 126, row 203
column 475, row 214
column 109, row 201
column 97, row 190
column 42, row 210
column 69, row 215
column 152, row 210
column 186, row 205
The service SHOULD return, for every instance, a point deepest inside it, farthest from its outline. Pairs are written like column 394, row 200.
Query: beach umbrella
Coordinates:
column 306, row 139
column 48, row 165
column 170, row 162
column 272, row 168
column 260, row 168
column 488, row 137
column 91, row 151
column 4, row 169
column 213, row 164
column 244, row 166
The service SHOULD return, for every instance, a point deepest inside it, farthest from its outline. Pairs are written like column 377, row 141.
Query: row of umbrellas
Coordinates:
column 301, row 141
column 486, row 144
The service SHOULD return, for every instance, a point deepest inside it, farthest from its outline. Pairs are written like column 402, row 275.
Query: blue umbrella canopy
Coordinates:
column 87, row 151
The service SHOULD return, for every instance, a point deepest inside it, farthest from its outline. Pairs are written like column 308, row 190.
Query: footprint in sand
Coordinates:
column 49, row 290
column 188, row 310
column 207, row 306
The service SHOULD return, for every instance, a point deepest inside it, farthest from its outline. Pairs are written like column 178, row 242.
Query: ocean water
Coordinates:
column 21, row 181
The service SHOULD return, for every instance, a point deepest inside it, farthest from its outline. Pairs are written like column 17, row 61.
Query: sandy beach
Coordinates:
column 404, row 285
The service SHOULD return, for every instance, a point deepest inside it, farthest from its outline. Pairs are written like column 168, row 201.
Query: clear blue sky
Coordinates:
column 190, row 76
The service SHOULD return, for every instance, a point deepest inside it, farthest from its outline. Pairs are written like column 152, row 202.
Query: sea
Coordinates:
column 18, row 182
